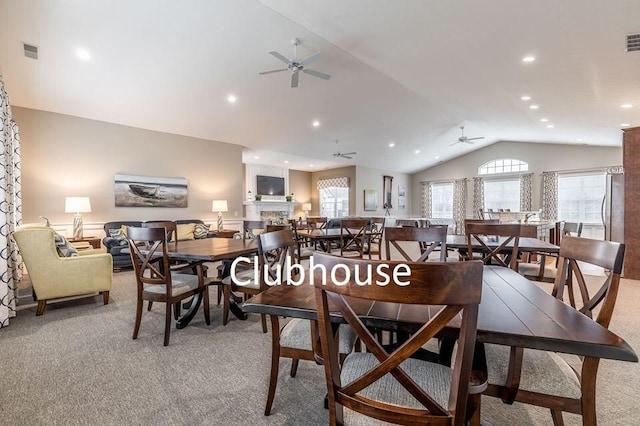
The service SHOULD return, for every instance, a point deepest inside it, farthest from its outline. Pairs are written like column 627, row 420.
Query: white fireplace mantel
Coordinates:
column 273, row 210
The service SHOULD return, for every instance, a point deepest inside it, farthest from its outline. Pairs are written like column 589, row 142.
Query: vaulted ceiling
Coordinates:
column 408, row 72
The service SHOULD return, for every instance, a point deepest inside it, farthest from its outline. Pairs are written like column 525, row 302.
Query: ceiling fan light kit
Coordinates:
column 296, row 66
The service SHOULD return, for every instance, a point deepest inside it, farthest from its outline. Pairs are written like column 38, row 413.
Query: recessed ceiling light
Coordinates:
column 83, row 54
column 627, row 106
column 544, row 120
column 529, row 58
column 417, row 151
column 391, row 145
column 436, row 157
column 525, row 98
column 286, row 161
column 549, row 126
column 315, row 123
column 232, row 99
column 625, row 125
column 533, row 107
column 579, row 139
column 256, row 157
column 310, row 165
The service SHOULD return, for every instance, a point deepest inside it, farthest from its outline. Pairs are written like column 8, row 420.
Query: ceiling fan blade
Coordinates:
column 272, row 71
column 279, row 56
column 474, row 139
column 310, row 59
column 346, row 156
column 317, row 74
column 294, row 79
column 349, row 153
column 451, row 144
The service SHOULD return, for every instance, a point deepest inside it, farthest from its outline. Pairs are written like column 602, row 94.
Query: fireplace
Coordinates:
column 276, row 211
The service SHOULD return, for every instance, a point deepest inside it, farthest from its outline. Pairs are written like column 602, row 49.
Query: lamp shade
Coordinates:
column 306, row 207
column 219, row 206
column 77, row 205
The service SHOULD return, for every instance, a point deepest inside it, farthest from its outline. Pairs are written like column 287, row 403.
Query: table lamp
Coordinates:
column 219, row 206
column 77, row 205
column 306, row 208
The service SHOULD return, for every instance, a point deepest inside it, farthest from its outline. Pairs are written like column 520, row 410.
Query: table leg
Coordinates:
column 193, row 308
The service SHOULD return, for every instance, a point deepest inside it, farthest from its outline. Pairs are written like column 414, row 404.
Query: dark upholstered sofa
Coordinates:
column 119, row 250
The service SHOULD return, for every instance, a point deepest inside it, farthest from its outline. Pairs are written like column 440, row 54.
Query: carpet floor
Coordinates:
column 78, row 365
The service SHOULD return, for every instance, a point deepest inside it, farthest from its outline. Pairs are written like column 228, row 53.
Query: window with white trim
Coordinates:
column 504, row 165
column 334, row 197
column 580, row 197
column 502, row 194
column 442, row 200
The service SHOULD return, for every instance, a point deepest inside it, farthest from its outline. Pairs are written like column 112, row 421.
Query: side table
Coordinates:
column 94, row 242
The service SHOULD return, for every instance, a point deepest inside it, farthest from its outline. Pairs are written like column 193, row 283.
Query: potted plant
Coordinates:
column 258, row 197
column 288, row 197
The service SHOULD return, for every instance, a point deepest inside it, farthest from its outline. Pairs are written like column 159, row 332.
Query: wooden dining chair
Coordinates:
column 156, row 281
column 432, row 238
column 480, row 234
column 394, row 387
column 374, row 237
column 353, row 237
column 303, row 248
column 544, row 378
column 317, row 222
column 544, row 271
column 279, row 227
column 298, row 338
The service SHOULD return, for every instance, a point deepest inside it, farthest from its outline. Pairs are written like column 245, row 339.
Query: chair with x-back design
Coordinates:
column 505, row 250
column 544, row 378
column 428, row 239
column 353, row 237
column 394, row 387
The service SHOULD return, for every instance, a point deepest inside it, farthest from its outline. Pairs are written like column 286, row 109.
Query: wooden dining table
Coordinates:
column 203, row 250
column 526, row 244
column 514, row 312
column 326, row 235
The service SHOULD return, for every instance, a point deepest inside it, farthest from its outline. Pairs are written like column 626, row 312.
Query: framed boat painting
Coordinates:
column 149, row 191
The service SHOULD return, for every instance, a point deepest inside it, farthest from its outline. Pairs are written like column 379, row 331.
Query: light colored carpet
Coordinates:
column 77, row 364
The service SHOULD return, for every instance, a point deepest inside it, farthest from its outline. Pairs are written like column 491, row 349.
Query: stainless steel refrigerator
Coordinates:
column 613, row 208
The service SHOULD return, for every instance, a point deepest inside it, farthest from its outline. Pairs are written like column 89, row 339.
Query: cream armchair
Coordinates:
column 53, row 276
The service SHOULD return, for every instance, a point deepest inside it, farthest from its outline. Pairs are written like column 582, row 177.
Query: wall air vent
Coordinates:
column 633, row 42
column 30, row 51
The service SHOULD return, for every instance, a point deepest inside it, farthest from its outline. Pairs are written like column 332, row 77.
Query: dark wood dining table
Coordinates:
column 514, row 312
column 204, row 250
column 526, row 244
column 324, row 235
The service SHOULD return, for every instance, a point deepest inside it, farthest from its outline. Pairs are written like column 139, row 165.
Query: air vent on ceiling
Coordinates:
column 30, row 51
column 633, row 42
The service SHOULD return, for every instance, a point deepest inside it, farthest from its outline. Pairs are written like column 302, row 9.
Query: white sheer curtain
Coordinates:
column 10, row 209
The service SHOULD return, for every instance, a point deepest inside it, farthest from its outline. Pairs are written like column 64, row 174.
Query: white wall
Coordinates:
column 541, row 158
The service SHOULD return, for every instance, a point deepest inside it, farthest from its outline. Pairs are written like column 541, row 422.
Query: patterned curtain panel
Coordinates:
column 10, row 209
column 549, row 196
column 425, row 205
column 459, row 205
column 525, row 192
column 478, row 196
column 340, row 182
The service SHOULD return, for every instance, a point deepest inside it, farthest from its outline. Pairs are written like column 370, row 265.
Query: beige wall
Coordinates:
column 370, row 178
column 69, row 156
column 349, row 172
column 300, row 186
column 541, row 158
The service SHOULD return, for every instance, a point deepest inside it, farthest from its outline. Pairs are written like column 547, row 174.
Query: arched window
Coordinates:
column 504, row 165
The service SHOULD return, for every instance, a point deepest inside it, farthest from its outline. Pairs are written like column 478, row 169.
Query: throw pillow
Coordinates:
column 201, row 231
column 185, row 231
column 118, row 236
column 63, row 247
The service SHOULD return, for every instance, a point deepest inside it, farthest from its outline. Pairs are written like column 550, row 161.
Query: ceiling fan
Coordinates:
column 346, row 155
column 464, row 139
column 295, row 65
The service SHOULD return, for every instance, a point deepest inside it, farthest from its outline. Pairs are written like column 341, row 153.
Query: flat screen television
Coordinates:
column 269, row 185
